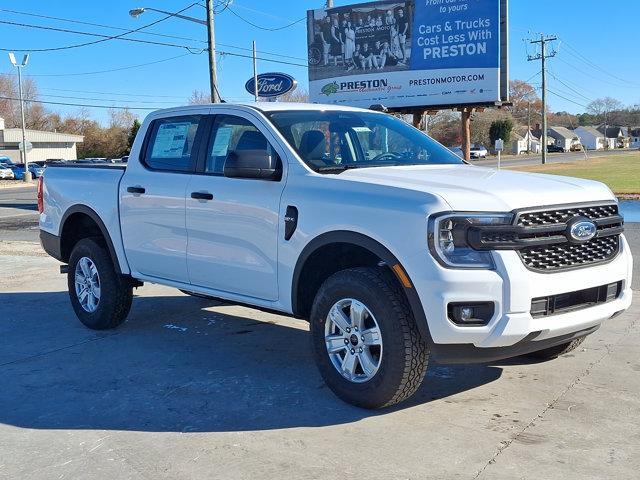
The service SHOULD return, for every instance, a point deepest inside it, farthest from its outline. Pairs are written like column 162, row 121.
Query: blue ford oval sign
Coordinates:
column 583, row 230
column 271, row 84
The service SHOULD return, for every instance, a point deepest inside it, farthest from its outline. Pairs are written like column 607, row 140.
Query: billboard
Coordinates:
column 405, row 53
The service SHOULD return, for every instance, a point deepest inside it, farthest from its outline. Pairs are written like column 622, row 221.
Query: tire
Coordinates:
column 115, row 292
column 554, row 352
column 400, row 361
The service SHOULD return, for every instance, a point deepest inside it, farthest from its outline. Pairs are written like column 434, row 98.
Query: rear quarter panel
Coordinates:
column 95, row 188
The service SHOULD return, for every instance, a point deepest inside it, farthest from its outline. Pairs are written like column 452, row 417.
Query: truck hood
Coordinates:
column 470, row 188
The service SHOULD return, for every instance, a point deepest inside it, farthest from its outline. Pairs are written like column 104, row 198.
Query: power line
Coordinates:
column 264, row 28
column 565, row 98
column 609, row 82
column 106, row 99
column 104, row 38
column 91, row 24
column 110, row 93
column 584, row 59
column 79, row 104
column 81, row 22
column 570, row 88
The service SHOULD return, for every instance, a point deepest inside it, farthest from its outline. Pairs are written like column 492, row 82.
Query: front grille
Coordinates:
column 562, row 215
column 570, row 255
column 571, row 301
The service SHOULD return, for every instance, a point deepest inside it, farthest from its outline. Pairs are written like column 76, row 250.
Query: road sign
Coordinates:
column 499, row 146
column 29, row 146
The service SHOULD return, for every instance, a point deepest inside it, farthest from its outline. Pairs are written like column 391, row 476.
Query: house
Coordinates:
column 525, row 141
column 564, row 138
column 618, row 137
column 634, row 137
column 45, row 145
column 590, row 137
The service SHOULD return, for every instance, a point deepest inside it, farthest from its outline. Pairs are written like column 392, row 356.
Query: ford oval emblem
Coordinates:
column 271, row 84
column 583, row 230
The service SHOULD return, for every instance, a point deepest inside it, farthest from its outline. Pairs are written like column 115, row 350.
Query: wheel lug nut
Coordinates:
column 362, row 338
column 348, row 330
column 346, row 341
column 356, row 329
column 360, row 349
column 353, row 351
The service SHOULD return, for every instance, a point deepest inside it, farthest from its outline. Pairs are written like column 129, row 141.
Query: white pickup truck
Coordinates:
column 392, row 247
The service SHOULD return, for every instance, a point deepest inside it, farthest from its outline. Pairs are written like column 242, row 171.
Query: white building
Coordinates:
column 590, row 138
column 46, row 145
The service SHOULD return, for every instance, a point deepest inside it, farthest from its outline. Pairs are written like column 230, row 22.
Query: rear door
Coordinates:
column 233, row 223
column 153, row 197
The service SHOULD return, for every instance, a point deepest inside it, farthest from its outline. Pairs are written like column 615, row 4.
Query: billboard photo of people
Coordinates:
column 359, row 38
column 405, row 53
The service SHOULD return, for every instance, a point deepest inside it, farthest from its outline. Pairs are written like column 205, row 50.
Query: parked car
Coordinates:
column 35, row 169
column 457, row 151
column 396, row 252
column 555, row 149
column 6, row 173
column 478, row 151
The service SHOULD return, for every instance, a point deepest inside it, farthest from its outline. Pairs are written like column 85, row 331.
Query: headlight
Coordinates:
column 448, row 239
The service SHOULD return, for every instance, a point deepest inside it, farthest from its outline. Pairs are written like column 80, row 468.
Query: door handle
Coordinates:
column 136, row 189
column 201, row 195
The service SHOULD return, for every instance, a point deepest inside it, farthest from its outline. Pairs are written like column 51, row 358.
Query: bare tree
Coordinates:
column 199, row 97
column 297, row 95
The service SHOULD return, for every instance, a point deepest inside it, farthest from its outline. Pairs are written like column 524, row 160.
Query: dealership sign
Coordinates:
column 406, row 53
column 271, row 84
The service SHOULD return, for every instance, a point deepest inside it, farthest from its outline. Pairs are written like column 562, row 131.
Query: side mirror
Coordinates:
column 257, row 164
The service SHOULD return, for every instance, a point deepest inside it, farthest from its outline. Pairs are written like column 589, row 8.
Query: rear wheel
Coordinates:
column 99, row 296
column 366, row 342
column 554, row 352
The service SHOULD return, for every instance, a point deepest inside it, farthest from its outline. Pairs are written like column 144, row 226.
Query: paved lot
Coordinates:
column 191, row 389
column 514, row 160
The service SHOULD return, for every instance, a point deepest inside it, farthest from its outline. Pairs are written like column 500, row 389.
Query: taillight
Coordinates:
column 40, row 196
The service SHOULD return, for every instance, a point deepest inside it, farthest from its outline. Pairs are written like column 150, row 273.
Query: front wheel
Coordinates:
column 99, row 296
column 366, row 342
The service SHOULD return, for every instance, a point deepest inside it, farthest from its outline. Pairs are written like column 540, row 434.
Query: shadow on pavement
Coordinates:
column 174, row 366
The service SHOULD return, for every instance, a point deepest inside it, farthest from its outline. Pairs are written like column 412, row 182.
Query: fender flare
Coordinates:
column 103, row 229
column 361, row 240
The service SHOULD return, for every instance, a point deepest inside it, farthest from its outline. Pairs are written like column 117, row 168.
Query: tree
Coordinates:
column 133, row 132
column 525, row 101
column 199, row 97
column 501, row 129
column 298, row 95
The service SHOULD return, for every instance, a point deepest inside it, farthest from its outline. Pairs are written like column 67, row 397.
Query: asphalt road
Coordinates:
column 511, row 160
column 18, row 214
column 188, row 388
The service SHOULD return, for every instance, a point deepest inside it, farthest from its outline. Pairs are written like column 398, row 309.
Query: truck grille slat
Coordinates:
column 566, row 255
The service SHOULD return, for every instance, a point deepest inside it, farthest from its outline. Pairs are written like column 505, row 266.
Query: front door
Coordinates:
column 152, row 194
column 232, row 223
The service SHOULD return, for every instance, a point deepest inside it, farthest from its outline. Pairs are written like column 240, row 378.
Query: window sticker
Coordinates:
column 221, row 142
column 170, row 140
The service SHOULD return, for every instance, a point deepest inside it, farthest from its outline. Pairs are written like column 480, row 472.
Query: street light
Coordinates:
column 20, row 66
column 211, row 40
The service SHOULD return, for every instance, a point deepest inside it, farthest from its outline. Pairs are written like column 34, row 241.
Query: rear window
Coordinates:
column 170, row 144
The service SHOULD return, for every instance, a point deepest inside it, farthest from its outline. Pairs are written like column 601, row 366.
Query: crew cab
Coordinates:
column 391, row 246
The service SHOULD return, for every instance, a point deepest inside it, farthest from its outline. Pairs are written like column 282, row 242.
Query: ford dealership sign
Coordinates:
column 272, row 84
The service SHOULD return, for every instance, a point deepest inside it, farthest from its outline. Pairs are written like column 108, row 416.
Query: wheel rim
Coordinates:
column 353, row 340
column 87, row 282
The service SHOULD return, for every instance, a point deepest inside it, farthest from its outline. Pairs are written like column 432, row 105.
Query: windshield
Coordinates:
column 330, row 141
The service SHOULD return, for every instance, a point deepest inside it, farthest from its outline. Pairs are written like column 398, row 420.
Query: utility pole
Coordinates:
column 466, row 133
column 543, row 56
column 211, row 40
column 329, row 3
column 20, row 66
column 255, row 73
column 528, row 126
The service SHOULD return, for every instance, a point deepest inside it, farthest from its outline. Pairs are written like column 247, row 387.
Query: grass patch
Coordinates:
column 620, row 172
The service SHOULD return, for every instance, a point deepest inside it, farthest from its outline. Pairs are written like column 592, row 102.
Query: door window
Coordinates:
column 231, row 133
column 170, row 145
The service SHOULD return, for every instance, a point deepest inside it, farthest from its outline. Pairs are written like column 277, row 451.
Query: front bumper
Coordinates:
column 511, row 286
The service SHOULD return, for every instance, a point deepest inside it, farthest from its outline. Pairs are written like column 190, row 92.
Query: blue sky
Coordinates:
column 595, row 51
